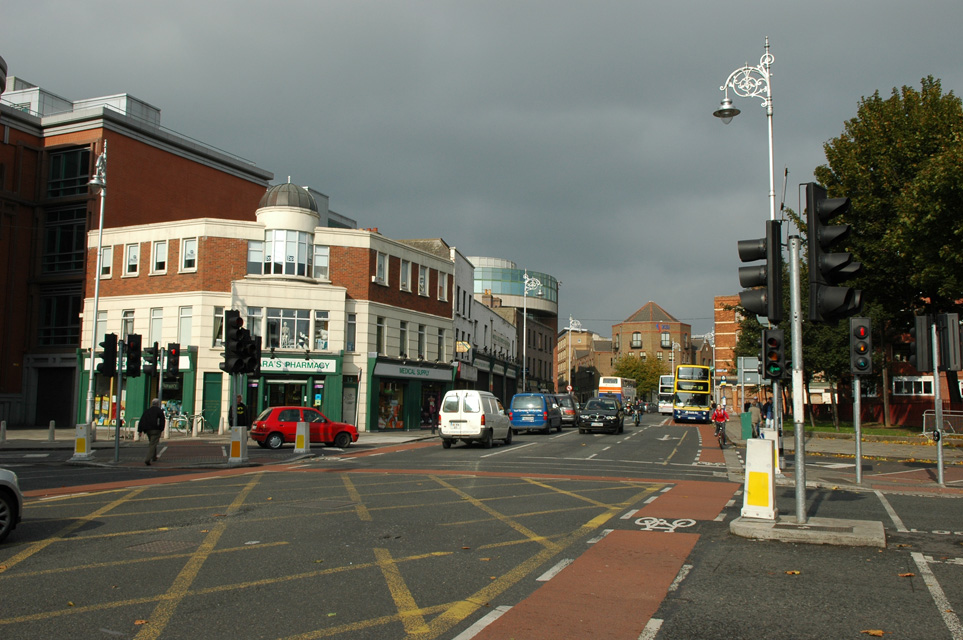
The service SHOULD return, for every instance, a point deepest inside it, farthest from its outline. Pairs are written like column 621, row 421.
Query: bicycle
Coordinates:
column 198, row 422
column 721, row 434
column 179, row 423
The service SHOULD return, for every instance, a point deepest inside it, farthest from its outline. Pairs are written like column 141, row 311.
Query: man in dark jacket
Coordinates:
column 152, row 423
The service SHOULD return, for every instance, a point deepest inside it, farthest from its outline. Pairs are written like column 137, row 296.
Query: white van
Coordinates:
column 473, row 416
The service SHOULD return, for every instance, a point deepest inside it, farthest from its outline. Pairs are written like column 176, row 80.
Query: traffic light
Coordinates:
column 860, row 346
column 252, row 364
column 948, row 330
column 764, row 281
column 828, row 302
column 232, row 338
column 108, row 364
column 921, row 349
column 150, row 360
column 132, row 369
column 173, row 358
column 773, row 353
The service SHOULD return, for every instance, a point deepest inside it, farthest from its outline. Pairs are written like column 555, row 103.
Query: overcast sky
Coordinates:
column 573, row 138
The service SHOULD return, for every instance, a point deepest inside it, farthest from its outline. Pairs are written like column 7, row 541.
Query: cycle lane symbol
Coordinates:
column 650, row 523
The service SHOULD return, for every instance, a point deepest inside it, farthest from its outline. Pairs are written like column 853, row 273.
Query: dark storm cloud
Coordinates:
column 575, row 138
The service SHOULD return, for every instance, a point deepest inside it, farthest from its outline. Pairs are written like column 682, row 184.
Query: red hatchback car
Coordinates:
column 277, row 425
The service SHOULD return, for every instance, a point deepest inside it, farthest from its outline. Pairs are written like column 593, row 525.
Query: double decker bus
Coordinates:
column 692, row 397
column 666, row 389
column 622, row 389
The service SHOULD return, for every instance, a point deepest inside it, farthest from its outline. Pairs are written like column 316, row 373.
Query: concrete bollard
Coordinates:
column 51, row 435
column 302, row 440
column 82, row 450
column 759, row 499
column 772, row 434
column 238, row 446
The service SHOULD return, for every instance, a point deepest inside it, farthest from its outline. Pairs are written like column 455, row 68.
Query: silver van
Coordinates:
column 472, row 416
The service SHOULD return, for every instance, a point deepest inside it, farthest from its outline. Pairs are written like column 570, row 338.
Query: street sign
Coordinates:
column 569, row 388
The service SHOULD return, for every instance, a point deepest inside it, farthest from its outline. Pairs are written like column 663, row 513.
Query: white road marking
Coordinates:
column 950, row 619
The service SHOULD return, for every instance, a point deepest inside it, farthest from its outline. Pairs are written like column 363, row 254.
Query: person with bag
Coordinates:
column 152, row 423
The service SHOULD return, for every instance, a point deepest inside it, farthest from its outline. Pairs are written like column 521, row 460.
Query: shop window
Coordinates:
column 288, row 328
column 321, row 330
column 391, row 405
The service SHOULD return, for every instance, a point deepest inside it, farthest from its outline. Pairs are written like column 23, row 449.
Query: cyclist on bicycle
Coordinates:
column 719, row 418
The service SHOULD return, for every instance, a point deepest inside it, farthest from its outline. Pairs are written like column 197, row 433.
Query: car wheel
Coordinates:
column 261, row 444
column 514, row 432
column 558, row 427
column 581, row 430
column 342, row 440
column 508, row 437
column 487, row 442
column 7, row 514
column 274, row 441
column 446, row 443
column 548, row 427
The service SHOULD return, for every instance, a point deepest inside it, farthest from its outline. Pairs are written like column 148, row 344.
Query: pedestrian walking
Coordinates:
column 767, row 413
column 755, row 417
column 152, row 423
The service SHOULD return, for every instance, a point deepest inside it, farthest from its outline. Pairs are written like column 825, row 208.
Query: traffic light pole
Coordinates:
column 120, row 391
column 938, row 402
column 795, row 312
column 857, row 427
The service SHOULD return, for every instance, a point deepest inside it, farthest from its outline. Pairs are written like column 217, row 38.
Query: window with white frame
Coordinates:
column 442, row 286
column 913, row 385
column 441, row 344
column 185, row 317
column 126, row 323
column 381, row 270
column 421, row 341
column 350, row 332
column 403, row 339
column 189, row 254
column 288, row 328
column 321, row 257
column 159, row 256
column 255, row 257
column 106, row 261
column 321, row 330
column 422, row 280
column 131, row 259
column 253, row 322
column 666, row 340
column 156, row 326
column 406, row 275
column 637, row 340
column 218, row 335
column 380, row 335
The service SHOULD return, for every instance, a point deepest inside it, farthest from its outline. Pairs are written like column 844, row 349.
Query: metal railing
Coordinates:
column 952, row 423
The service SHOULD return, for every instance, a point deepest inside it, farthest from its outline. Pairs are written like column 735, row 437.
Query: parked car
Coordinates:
column 472, row 416
column 569, row 409
column 535, row 411
column 11, row 503
column 601, row 414
column 277, row 425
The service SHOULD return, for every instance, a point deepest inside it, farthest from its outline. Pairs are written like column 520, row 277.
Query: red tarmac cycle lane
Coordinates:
column 614, row 588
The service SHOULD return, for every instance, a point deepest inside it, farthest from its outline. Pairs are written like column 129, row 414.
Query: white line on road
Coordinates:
column 892, row 512
column 651, row 629
column 506, row 450
column 604, row 533
column 486, row 620
column 683, row 572
column 551, row 573
column 950, row 619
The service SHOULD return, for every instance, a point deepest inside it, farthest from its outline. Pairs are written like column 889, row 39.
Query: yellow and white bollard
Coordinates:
column 772, row 434
column 82, row 443
column 238, row 446
column 760, row 495
column 302, row 439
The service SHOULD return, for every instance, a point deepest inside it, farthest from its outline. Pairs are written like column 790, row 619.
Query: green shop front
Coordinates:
column 309, row 381
column 406, row 396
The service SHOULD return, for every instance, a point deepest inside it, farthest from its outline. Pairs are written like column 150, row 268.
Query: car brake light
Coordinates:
column 483, row 419
column 544, row 415
column 511, row 415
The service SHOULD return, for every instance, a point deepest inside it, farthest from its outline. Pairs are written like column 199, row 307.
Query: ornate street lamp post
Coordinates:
column 530, row 285
column 99, row 181
column 573, row 325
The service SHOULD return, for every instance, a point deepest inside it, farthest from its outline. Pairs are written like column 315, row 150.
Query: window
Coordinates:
column 321, row 330
column 637, row 340
column 350, row 332
column 616, row 340
column 666, row 340
column 255, row 257
column 156, row 326
column 288, row 328
column 185, row 316
column 159, row 256
column 380, row 335
column 132, row 259
column 422, row 280
column 253, row 322
column 421, row 341
column 69, row 173
column 381, row 272
column 442, row 286
column 106, row 261
column 405, row 275
column 658, row 356
column 913, row 386
column 403, row 339
column 64, row 240
column 127, row 323
column 441, row 344
column 60, row 310
column 321, row 257
column 218, row 334
column 189, row 254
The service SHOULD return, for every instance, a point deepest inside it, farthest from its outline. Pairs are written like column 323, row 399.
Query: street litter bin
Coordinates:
column 746, row 419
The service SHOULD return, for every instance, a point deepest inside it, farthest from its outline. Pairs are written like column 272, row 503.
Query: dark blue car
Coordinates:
column 535, row 411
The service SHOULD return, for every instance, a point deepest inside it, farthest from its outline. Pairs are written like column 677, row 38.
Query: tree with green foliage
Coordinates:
column 645, row 372
column 900, row 161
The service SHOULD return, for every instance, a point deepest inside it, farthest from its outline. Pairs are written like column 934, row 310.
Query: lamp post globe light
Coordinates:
column 752, row 82
column 531, row 284
column 98, row 182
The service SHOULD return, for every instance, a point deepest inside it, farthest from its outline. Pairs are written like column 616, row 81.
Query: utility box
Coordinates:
column 745, row 419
